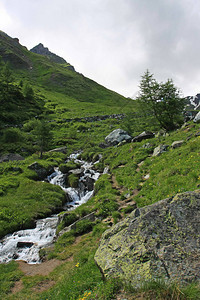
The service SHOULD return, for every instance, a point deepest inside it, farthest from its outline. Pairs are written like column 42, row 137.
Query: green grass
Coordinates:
column 22, row 199
column 9, row 274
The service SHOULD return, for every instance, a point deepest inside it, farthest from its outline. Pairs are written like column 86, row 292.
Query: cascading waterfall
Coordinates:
column 25, row 244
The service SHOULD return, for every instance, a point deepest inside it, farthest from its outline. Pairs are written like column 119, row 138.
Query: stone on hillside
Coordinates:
column 177, row 144
column 147, row 146
column 157, row 241
column 143, row 136
column 160, row 149
column 117, row 136
column 41, row 172
column 160, row 133
column 61, row 149
column 78, row 172
column 11, row 157
column 197, row 118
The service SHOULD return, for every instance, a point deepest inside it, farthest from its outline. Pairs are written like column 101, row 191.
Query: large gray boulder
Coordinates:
column 157, row 241
column 117, row 136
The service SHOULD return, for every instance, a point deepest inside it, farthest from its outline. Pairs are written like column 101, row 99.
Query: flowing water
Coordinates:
column 25, row 244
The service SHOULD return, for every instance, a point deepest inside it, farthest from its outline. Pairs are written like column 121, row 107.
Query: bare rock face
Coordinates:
column 157, row 241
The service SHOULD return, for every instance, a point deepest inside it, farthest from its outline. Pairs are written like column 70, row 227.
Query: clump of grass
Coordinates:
column 9, row 274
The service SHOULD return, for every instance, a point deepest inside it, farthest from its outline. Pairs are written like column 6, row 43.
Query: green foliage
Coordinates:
column 116, row 216
column 43, row 135
column 73, row 180
column 70, row 218
column 12, row 135
column 83, row 226
column 160, row 102
column 28, row 92
column 30, row 199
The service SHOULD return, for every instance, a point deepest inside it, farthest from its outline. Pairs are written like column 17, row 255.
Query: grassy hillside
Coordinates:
column 47, row 76
column 77, row 277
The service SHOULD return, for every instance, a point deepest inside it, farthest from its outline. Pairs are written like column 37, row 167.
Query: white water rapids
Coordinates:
column 25, row 244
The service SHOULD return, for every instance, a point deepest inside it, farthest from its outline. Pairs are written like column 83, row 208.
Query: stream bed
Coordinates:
column 25, row 244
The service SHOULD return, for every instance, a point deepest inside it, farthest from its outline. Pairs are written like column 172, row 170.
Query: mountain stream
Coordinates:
column 25, row 244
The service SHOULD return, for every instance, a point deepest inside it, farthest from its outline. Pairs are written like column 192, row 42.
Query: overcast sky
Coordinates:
column 114, row 41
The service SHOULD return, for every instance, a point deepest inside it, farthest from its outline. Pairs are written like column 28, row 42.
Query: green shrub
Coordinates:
column 83, row 226
column 106, row 204
column 73, row 180
column 116, row 216
column 128, row 209
column 12, row 135
column 70, row 218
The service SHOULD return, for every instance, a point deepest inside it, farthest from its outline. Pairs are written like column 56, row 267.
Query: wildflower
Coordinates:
column 77, row 265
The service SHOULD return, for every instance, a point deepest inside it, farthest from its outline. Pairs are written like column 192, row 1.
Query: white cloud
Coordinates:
column 114, row 41
column 5, row 19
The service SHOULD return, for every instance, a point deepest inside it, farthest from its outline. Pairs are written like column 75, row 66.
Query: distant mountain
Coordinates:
column 193, row 102
column 40, row 49
column 43, row 69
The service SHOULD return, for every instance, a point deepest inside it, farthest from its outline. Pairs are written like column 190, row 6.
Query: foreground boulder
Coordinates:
column 156, row 241
column 117, row 136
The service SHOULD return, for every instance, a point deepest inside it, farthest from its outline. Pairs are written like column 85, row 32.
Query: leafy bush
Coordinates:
column 83, row 226
column 73, row 180
column 116, row 216
column 70, row 218
column 12, row 135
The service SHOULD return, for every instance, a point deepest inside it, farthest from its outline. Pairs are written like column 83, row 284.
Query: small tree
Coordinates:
column 160, row 103
column 28, row 92
column 43, row 135
column 6, row 76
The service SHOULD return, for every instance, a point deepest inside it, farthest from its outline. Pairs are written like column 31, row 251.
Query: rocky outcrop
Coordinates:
column 40, row 49
column 157, row 241
column 117, row 136
column 41, row 172
column 143, row 136
column 11, row 157
column 197, row 118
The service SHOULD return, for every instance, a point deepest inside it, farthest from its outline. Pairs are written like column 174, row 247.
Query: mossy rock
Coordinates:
column 159, row 241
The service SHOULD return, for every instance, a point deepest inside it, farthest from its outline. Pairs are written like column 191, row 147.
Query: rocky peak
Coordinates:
column 40, row 49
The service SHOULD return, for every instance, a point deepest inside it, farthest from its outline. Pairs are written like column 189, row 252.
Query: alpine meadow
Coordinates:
column 99, row 193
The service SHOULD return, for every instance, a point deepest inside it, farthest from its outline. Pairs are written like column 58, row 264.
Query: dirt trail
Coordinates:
column 44, row 269
column 129, row 200
column 39, row 269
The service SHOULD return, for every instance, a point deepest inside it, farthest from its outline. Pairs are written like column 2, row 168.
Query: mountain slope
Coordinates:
column 40, row 71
